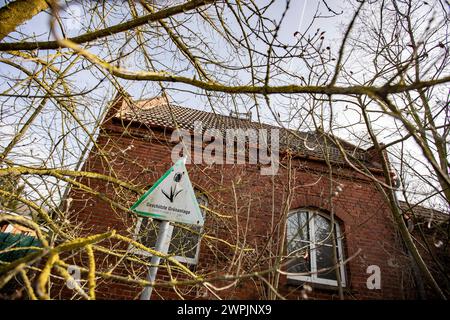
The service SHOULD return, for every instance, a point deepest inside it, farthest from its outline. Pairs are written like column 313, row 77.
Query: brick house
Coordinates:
column 252, row 221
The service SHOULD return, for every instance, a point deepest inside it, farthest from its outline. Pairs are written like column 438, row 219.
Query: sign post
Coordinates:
column 171, row 198
column 161, row 247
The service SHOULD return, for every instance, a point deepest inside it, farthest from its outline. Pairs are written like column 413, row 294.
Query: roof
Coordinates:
column 157, row 112
column 422, row 212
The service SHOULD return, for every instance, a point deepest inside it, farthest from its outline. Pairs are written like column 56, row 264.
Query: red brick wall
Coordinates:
column 255, row 204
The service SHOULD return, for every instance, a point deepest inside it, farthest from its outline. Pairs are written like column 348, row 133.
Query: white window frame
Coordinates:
column 182, row 259
column 315, row 277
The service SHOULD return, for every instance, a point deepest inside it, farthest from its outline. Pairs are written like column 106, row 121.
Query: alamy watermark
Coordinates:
column 374, row 280
column 231, row 146
column 75, row 276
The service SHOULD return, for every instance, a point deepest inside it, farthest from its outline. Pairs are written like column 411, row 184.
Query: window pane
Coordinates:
column 299, row 265
column 297, row 226
column 148, row 232
column 184, row 243
column 297, row 248
column 298, row 245
column 299, row 258
column 322, row 228
column 324, row 259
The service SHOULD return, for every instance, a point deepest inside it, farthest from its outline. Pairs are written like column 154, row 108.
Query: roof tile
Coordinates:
column 158, row 112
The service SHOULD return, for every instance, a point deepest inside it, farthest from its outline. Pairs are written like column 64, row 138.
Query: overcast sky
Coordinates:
column 297, row 19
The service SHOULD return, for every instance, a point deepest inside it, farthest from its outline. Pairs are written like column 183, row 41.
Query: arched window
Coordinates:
column 185, row 239
column 310, row 248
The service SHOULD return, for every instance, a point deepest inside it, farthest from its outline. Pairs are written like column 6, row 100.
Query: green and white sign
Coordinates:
column 171, row 198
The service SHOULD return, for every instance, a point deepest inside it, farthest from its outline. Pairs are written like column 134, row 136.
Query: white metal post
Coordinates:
column 162, row 246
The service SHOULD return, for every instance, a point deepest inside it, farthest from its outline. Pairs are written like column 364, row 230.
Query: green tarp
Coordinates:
column 10, row 240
